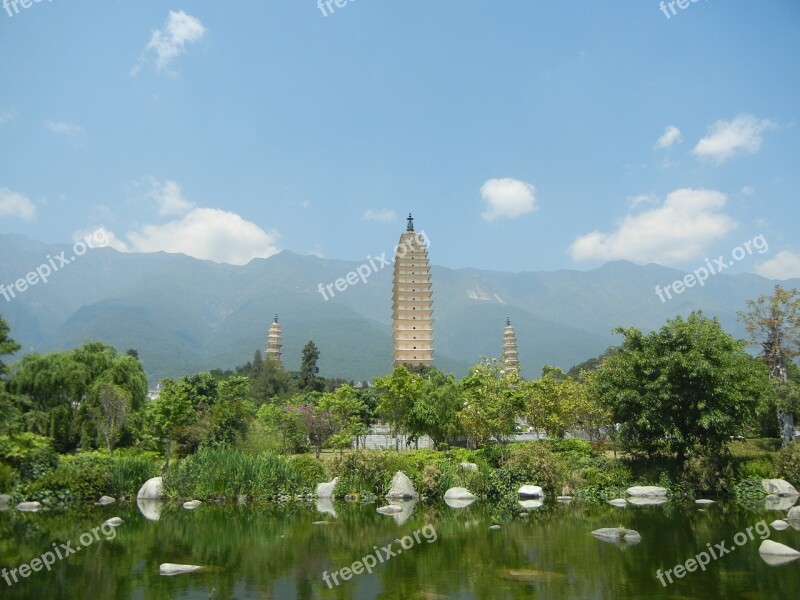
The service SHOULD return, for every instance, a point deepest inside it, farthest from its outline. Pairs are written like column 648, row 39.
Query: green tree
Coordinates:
column 492, row 401
column 554, row 402
column 347, row 407
column 10, row 405
column 268, row 382
column 230, row 416
column 171, row 412
column 435, row 411
column 773, row 322
column 688, row 384
column 308, row 379
column 399, row 392
column 110, row 411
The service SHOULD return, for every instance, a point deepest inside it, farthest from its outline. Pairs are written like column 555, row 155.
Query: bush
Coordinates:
column 129, row 472
column 703, row 473
column 307, row 472
column 538, row 463
column 371, row 471
column 788, row 463
column 762, row 468
column 30, row 455
column 750, row 493
column 77, row 477
column 7, row 478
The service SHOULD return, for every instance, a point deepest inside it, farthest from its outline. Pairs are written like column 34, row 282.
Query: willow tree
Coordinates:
column 773, row 322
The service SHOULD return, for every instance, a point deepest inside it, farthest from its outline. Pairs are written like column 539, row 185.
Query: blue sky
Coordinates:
column 524, row 135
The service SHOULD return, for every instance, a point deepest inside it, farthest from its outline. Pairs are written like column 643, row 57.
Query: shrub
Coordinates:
column 129, row 472
column 750, row 493
column 307, row 472
column 538, row 463
column 7, row 478
column 30, row 455
column 762, row 468
column 703, row 473
column 788, row 463
column 77, row 477
column 370, row 471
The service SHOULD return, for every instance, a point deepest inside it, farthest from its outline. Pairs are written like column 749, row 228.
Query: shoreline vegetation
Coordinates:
column 685, row 408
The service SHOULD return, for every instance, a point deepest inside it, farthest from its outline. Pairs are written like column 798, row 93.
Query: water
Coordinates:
column 276, row 551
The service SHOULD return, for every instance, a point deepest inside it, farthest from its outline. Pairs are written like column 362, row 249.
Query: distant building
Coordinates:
column 510, row 356
column 154, row 393
column 412, row 306
column 274, row 344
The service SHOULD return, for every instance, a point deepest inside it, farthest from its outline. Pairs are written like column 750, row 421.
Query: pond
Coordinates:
column 430, row 551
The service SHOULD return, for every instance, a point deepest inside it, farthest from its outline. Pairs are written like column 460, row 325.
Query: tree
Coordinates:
column 10, row 406
column 172, row 411
column 558, row 403
column 435, row 411
column 320, row 423
column 110, row 410
column 492, row 401
column 688, row 384
column 268, row 382
column 399, row 393
column 773, row 322
column 308, row 379
column 230, row 416
column 346, row 406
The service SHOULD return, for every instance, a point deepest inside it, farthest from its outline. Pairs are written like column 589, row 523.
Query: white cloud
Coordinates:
column 13, row 204
column 726, row 139
column 680, row 229
column 671, row 136
column 784, row 265
column 101, row 237
column 7, row 115
column 63, row 128
column 210, row 234
column 748, row 190
column 169, row 43
column 509, row 198
column 169, row 197
column 380, row 215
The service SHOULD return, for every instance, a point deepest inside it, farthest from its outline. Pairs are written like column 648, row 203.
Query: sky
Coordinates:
column 523, row 135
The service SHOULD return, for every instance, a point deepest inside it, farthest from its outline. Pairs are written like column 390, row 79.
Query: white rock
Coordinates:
column 530, row 491
column 401, row 487
column 468, row 466
column 28, row 506
column 618, row 502
column 529, row 504
column 703, row 502
column 780, row 487
column 564, row 499
column 150, row 509
column 458, row 502
column 647, row 491
column 779, row 525
column 106, row 500
column 781, row 503
column 5, row 499
column 494, row 527
column 794, row 514
column 647, row 501
column 775, row 549
column 618, row 535
column 114, row 522
column 173, row 569
column 390, row 509
column 152, row 489
column 192, row 504
column 459, row 493
column 325, row 506
column 325, row 490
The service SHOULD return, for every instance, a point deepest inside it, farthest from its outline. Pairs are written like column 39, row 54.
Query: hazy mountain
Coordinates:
column 185, row 315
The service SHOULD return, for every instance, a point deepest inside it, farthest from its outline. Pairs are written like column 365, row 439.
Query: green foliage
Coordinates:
column 308, row 380
column 30, row 455
column 307, row 471
column 688, row 385
column 708, row 474
column 230, row 416
column 216, row 472
column 77, row 477
column 750, row 493
column 370, row 471
column 788, row 463
column 760, row 468
column 538, row 463
column 129, row 471
column 7, row 478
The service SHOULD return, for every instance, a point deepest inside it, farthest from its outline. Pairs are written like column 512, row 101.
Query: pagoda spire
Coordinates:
column 510, row 357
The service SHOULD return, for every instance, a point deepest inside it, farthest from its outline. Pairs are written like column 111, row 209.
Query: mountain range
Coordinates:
column 184, row 315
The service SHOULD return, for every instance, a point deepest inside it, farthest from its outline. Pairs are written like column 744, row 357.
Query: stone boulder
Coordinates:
column 564, row 499
column 647, row 491
column 114, row 522
column 468, row 466
column 402, row 487
column 325, row 490
column 775, row 549
column 28, row 506
column 390, row 509
column 794, row 514
column 153, row 489
column 530, row 491
column 779, row 525
column 494, row 527
column 459, row 493
column 618, row 534
column 191, row 504
column 647, row 500
column 150, row 509
column 530, row 504
column 779, row 487
column 703, row 502
column 618, row 502
column 106, row 500
column 169, row 569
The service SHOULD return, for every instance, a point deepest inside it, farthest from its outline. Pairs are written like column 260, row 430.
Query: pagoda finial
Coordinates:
column 410, row 226
column 276, row 317
column 508, row 321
